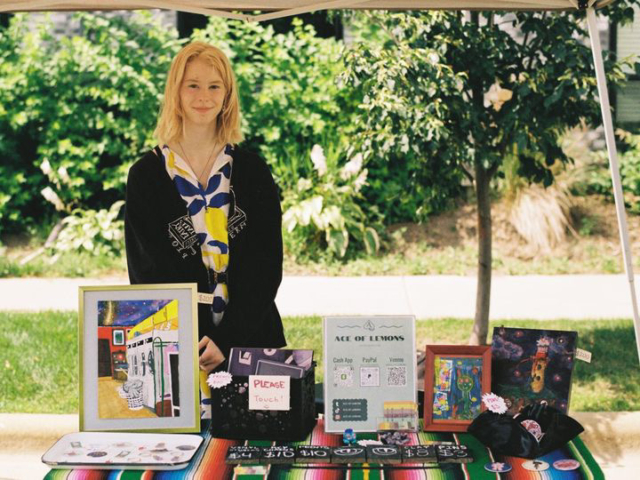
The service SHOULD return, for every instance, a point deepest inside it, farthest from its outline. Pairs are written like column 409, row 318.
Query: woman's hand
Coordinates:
column 211, row 357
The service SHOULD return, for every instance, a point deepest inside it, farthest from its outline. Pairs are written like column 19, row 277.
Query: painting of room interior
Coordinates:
column 138, row 351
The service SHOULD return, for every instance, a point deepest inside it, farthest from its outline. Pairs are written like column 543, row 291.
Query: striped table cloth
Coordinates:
column 209, row 464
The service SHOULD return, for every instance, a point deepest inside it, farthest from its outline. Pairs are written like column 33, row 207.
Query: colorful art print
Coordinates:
column 456, row 377
column 533, row 365
column 247, row 361
column 138, row 358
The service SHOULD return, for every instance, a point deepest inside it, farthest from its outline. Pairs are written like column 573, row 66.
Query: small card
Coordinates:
column 205, row 298
column 243, row 454
column 313, row 454
column 269, row 392
column 385, row 454
column 348, row 455
column 453, row 454
column 419, row 454
column 583, row 355
column 278, row 454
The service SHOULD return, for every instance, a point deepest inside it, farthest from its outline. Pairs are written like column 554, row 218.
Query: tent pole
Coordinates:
column 613, row 163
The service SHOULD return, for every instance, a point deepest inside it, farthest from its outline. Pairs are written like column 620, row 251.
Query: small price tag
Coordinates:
column 206, row 298
column 583, row 355
column 269, row 392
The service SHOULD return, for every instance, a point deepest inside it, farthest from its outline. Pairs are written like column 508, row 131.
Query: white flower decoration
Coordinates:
column 319, row 160
column 219, row 379
column 497, row 96
column 494, row 403
column 352, row 167
column 52, row 197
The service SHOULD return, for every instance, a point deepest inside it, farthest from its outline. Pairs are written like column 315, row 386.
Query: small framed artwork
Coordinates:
column 455, row 379
column 139, row 358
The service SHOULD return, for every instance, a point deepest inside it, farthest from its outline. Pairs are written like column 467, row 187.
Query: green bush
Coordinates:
column 595, row 177
column 78, row 110
column 290, row 98
column 322, row 217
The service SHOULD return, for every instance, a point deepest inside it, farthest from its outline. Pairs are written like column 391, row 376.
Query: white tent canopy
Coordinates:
column 282, row 8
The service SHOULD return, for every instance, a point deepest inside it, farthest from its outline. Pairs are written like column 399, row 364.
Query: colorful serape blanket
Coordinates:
column 209, row 463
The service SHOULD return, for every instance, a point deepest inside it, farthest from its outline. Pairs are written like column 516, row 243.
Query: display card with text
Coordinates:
column 369, row 361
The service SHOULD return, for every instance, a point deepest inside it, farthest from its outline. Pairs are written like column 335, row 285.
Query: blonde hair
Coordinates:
column 170, row 125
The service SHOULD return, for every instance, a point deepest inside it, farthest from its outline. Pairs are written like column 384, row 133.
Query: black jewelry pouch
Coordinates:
column 506, row 435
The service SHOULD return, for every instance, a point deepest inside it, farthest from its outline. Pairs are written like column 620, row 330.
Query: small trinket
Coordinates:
column 349, row 437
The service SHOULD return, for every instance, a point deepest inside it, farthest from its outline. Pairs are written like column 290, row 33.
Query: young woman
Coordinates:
column 199, row 209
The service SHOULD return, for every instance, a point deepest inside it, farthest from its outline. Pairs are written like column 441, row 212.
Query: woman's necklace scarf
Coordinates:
column 209, row 211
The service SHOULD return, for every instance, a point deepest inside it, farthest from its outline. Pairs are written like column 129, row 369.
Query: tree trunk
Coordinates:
column 483, row 202
column 483, row 293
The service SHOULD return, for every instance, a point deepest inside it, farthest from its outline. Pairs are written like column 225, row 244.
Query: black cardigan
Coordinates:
column 162, row 247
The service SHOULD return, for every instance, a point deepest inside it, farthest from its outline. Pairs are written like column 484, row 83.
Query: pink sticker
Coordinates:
column 533, row 428
column 219, row 379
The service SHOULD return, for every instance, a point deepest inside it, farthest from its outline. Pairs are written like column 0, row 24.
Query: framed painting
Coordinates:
column 139, row 358
column 455, row 379
column 531, row 365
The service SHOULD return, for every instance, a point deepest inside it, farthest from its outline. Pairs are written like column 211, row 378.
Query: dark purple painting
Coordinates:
column 530, row 365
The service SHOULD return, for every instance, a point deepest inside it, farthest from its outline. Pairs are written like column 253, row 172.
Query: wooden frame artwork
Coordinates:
column 455, row 378
column 139, row 358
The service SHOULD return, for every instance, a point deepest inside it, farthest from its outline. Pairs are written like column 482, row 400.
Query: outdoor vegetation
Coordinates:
column 431, row 142
column 45, row 379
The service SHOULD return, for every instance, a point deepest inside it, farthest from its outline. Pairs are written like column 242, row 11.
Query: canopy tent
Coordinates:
column 282, row 8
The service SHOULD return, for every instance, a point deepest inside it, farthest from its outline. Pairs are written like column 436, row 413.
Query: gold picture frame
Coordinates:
column 149, row 382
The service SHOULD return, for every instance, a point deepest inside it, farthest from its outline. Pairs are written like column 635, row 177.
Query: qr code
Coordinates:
column 343, row 376
column 397, row 376
column 369, row 377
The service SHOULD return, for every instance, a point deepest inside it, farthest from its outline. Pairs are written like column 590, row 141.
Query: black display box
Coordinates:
column 232, row 419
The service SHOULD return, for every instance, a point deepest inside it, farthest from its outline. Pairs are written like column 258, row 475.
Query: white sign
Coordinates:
column 269, row 392
column 368, row 362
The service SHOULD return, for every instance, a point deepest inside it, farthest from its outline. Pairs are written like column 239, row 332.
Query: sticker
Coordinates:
column 269, row 392
column 533, row 428
column 219, row 379
column 583, row 355
column 498, row 467
column 566, row 464
column 369, row 376
column 494, row 403
column 96, row 454
column 186, row 447
column 535, row 465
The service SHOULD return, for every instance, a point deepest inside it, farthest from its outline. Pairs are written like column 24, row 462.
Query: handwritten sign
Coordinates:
column 269, row 392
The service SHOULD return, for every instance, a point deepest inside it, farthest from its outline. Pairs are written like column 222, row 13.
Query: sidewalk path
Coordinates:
column 433, row 296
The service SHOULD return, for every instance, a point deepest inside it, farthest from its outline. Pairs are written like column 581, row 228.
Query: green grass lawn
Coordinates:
column 39, row 358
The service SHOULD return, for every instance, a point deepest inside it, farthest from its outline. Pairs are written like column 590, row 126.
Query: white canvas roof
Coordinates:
column 281, row 8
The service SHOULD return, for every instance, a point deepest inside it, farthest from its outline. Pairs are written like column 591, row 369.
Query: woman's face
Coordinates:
column 201, row 94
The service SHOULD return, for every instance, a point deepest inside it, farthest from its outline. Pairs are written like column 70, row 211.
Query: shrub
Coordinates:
column 595, row 177
column 322, row 217
column 79, row 110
